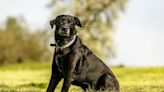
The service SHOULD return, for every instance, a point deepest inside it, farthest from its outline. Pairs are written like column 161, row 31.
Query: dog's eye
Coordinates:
column 63, row 19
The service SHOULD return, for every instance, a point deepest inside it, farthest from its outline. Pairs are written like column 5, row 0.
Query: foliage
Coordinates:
column 97, row 17
column 132, row 79
column 17, row 43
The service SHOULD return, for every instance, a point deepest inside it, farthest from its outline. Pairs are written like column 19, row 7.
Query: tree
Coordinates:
column 97, row 17
column 18, row 44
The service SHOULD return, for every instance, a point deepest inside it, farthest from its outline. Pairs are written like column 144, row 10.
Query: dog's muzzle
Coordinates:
column 64, row 31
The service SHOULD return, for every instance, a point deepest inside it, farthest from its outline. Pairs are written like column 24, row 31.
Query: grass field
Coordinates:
column 34, row 77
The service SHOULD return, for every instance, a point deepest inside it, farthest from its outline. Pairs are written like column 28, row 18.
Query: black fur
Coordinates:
column 76, row 63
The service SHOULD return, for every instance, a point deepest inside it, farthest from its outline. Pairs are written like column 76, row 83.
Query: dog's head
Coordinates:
column 65, row 25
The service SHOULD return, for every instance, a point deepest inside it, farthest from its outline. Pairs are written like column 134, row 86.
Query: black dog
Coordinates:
column 74, row 62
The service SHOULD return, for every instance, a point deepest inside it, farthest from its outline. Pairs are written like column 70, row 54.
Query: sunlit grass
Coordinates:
column 148, row 79
column 34, row 77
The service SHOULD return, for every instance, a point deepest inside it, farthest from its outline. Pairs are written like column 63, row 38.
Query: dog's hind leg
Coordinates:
column 107, row 82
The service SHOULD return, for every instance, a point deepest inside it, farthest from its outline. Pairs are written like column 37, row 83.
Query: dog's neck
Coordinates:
column 65, row 43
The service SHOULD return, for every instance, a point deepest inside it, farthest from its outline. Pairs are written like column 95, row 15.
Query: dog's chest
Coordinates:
column 63, row 64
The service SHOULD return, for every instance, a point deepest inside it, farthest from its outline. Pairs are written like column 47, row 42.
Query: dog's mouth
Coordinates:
column 63, row 34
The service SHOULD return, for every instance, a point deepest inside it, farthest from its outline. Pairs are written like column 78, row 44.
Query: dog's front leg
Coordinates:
column 67, row 82
column 70, row 71
column 53, row 83
column 55, row 78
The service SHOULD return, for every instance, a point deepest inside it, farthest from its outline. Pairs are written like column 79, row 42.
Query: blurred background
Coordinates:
column 121, row 32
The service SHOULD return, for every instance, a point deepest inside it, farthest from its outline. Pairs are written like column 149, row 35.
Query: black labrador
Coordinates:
column 74, row 62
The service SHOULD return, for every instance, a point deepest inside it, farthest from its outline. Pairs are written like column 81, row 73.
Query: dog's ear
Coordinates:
column 52, row 23
column 77, row 21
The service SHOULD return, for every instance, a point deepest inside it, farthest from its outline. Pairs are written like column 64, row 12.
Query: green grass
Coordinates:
column 34, row 77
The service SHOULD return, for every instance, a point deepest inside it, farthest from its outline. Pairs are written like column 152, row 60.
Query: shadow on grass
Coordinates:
column 36, row 85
